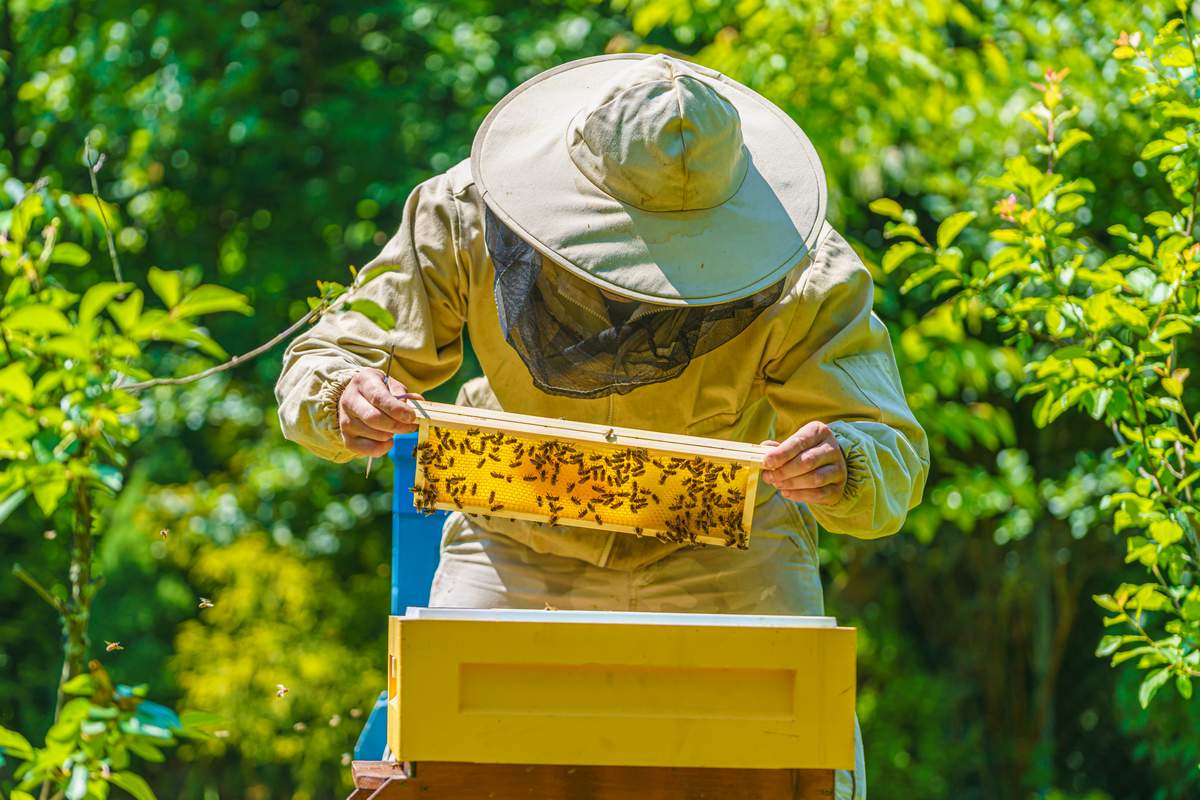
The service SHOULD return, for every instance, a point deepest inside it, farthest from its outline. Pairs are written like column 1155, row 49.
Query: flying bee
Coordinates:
column 110, row 647
column 205, row 603
column 281, row 690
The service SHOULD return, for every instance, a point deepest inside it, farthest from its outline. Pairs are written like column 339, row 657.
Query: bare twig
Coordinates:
column 94, row 166
column 231, row 363
column 33, row 583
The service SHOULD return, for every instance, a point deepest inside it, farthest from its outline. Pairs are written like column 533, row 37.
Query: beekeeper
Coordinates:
column 635, row 241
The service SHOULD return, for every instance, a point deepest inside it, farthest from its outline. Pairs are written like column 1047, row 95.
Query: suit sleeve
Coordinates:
column 420, row 278
column 835, row 365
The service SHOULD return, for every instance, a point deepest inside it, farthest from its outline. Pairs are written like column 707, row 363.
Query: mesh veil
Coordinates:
column 578, row 343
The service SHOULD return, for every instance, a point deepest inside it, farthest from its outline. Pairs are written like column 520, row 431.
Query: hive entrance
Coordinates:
column 679, row 489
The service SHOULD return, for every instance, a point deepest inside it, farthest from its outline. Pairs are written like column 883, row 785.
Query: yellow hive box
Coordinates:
column 600, row 688
column 676, row 488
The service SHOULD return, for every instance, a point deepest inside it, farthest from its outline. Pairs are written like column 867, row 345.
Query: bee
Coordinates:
column 164, row 533
column 205, row 603
column 497, row 506
column 110, row 647
column 281, row 691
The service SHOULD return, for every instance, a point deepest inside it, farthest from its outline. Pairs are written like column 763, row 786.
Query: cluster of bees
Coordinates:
column 674, row 498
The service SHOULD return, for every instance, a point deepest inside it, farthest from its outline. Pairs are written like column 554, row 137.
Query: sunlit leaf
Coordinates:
column 37, row 318
column 70, row 254
column 374, row 312
column 100, row 295
column 887, row 207
column 134, row 784
column 952, row 226
column 168, row 285
column 1151, row 684
column 210, row 299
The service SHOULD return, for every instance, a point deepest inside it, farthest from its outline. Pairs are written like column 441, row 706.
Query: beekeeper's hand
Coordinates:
column 808, row 466
column 370, row 410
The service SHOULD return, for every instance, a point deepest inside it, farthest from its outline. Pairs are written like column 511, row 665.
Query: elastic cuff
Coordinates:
column 858, row 472
column 329, row 396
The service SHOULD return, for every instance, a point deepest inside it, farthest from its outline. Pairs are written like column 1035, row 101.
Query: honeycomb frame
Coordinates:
column 681, row 489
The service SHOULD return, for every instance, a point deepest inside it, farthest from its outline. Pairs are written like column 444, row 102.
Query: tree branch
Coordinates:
column 33, row 583
column 94, row 167
column 231, row 363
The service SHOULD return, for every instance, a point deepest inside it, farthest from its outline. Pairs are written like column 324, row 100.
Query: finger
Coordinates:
column 353, row 427
column 808, row 436
column 823, row 496
column 356, row 407
column 384, row 397
column 827, row 452
column 366, row 447
column 821, row 476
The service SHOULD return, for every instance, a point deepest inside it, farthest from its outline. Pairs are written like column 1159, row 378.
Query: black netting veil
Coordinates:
column 577, row 342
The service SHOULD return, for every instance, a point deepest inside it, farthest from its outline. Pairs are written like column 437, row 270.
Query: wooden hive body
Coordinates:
column 677, row 488
column 667, row 690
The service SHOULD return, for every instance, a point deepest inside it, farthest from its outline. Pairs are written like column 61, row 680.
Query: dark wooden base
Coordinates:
column 384, row 780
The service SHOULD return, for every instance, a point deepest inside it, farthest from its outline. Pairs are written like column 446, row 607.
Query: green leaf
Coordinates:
column 48, row 493
column 1183, row 684
column 37, row 318
column 128, row 312
column 133, row 783
column 1072, row 138
column 81, row 684
column 1166, row 532
column 70, row 254
column 374, row 312
column 1151, row 684
column 15, row 744
column 1108, row 645
column 167, row 285
column 1178, row 56
column 211, row 299
column 12, row 502
column 23, row 215
column 897, row 254
column 887, row 207
column 14, row 381
column 98, row 296
column 1161, row 219
column 1156, row 148
column 951, row 227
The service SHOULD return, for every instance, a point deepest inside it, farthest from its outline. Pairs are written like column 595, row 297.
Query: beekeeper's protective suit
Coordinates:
column 641, row 242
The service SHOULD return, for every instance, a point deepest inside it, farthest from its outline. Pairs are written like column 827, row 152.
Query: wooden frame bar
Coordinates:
column 438, row 780
column 463, row 418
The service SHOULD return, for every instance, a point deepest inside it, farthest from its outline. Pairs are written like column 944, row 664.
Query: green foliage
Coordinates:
column 1103, row 335
column 90, row 747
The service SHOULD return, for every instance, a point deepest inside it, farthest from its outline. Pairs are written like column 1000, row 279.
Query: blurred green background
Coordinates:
column 271, row 144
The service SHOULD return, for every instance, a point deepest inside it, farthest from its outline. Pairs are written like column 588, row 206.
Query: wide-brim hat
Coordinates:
column 653, row 178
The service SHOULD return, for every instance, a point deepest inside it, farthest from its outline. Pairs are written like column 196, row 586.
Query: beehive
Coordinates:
column 676, row 488
column 621, row 688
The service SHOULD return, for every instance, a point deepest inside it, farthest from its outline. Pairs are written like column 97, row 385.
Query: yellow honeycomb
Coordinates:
column 677, row 498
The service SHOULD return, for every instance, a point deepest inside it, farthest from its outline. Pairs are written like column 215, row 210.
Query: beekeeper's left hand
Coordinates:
column 808, row 466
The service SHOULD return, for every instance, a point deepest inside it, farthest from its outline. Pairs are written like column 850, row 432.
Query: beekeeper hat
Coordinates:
column 652, row 178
